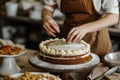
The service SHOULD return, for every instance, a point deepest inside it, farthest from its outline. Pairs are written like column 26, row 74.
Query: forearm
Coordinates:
column 46, row 12
column 106, row 21
column 49, row 24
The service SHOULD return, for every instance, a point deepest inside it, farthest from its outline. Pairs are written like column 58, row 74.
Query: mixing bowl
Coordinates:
column 112, row 59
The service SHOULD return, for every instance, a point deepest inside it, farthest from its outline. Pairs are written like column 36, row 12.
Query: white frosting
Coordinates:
column 58, row 45
column 61, row 47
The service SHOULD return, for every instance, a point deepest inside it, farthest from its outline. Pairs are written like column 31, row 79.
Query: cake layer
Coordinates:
column 64, row 60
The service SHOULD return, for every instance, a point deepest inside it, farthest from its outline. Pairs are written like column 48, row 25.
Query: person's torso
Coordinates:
column 97, row 4
column 78, row 12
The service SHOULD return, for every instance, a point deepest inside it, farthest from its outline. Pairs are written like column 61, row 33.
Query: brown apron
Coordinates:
column 78, row 12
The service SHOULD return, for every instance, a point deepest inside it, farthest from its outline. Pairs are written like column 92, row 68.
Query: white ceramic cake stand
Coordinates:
column 43, row 65
column 9, row 65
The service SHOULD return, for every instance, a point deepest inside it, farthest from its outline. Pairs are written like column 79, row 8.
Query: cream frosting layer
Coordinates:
column 61, row 47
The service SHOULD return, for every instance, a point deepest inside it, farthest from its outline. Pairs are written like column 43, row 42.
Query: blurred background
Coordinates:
column 20, row 21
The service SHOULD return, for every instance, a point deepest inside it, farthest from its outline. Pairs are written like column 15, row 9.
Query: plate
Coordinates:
column 45, row 74
column 113, row 59
column 36, row 62
column 21, row 53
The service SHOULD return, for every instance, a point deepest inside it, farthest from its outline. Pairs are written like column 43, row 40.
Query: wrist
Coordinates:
column 85, row 27
column 46, row 18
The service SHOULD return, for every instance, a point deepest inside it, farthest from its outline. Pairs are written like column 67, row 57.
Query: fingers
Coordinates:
column 48, row 26
column 75, row 35
column 54, row 25
column 48, row 32
column 51, row 27
column 72, row 34
column 78, row 37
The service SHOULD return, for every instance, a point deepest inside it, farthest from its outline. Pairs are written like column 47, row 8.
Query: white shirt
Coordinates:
column 101, row 6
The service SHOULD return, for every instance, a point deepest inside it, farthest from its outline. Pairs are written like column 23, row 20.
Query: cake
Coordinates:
column 59, row 51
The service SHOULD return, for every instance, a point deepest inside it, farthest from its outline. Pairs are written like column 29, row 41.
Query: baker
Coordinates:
column 84, row 19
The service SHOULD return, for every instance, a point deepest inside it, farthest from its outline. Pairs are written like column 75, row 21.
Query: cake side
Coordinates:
column 64, row 60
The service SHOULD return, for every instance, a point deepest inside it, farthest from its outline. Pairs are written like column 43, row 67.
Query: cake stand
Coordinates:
column 36, row 62
column 9, row 65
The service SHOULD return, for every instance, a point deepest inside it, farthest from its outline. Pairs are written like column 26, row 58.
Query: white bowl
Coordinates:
column 112, row 59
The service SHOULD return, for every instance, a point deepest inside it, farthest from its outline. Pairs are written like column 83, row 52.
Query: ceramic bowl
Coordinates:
column 112, row 59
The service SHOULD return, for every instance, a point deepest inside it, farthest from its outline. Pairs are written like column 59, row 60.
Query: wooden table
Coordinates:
column 22, row 61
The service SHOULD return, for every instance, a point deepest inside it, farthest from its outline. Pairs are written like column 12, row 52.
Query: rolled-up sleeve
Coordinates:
column 111, row 6
column 48, row 4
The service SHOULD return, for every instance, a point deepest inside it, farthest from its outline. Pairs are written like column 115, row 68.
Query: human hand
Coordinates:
column 50, row 26
column 77, row 33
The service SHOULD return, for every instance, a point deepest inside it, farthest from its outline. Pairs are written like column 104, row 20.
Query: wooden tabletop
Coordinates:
column 23, row 63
